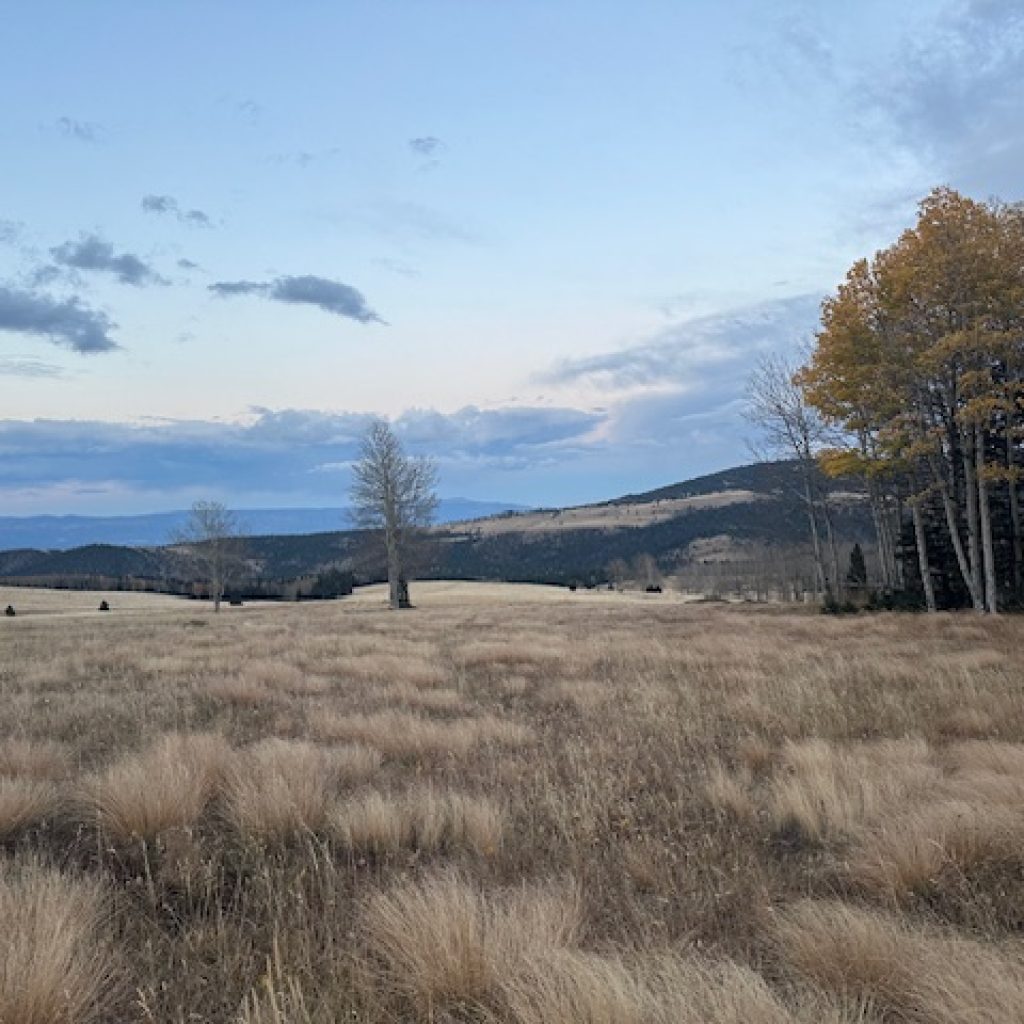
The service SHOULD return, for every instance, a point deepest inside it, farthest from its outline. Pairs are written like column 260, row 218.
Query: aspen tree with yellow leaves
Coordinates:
column 920, row 363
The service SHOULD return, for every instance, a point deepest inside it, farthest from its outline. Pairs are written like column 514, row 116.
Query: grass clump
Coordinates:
column 55, row 966
column 907, row 973
column 168, row 785
column 278, row 788
column 421, row 819
column 443, row 941
column 25, row 803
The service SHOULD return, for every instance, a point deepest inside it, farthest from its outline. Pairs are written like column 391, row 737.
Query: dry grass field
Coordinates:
column 508, row 805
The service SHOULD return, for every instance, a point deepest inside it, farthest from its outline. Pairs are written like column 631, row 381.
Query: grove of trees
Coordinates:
column 915, row 383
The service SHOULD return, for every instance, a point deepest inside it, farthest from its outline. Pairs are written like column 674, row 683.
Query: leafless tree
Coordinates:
column 618, row 572
column 394, row 494
column 212, row 543
column 791, row 429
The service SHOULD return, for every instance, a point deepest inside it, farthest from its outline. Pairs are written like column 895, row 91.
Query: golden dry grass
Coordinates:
column 519, row 805
column 575, row 987
column 56, row 966
column 422, row 819
column 408, row 734
column 445, row 942
column 278, row 788
column 167, row 785
column 25, row 803
column 912, row 974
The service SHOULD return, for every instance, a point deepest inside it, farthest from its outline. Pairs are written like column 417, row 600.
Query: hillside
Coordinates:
column 749, row 505
column 61, row 533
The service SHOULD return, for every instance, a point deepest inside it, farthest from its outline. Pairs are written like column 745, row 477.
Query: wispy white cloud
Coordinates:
column 698, row 354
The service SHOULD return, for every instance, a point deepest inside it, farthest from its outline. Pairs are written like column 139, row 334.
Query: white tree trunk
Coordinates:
column 973, row 519
column 949, row 507
column 985, row 526
column 922, row 557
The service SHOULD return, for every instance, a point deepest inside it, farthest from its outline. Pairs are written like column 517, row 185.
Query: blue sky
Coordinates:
column 547, row 239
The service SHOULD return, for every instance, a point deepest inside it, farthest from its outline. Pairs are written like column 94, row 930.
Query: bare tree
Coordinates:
column 646, row 571
column 393, row 493
column 212, row 543
column 618, row 572
column 790, row 428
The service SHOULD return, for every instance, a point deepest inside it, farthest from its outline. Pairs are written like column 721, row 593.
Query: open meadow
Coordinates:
column 510, row 804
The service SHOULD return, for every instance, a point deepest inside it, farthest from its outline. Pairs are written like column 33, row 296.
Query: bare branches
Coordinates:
column 213, row 544
column 395, row 494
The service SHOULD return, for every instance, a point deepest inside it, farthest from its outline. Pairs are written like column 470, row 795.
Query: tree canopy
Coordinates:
column 919, row 362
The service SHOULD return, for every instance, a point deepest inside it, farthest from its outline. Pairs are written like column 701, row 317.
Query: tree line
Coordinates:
column 915, row 385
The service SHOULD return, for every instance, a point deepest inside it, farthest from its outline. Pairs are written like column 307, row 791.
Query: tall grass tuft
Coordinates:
column 278, row 788
column 168, row 785
column 907, row 973
column 421, row 818
column 25, row 803
column 55, row 967
column 444, row 941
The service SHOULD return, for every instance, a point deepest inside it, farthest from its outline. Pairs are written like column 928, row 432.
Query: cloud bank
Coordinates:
column 18, row 366
column 309, row 290
column 289, row 456
column 668, row 409
column 955, row 91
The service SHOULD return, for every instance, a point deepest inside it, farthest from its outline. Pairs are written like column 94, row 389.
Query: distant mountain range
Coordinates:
column 725, row 513
column 61, row 533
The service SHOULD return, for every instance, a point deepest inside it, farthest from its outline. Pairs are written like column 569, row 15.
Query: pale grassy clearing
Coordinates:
column 457, row 594
column 604, row 517
column 33, row 601
column 517, row 804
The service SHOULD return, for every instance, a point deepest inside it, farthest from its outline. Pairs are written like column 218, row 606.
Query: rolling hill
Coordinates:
column 61, row 533
column 737, row 508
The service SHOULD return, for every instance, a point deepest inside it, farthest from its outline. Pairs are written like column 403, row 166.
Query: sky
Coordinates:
column 547, row 239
